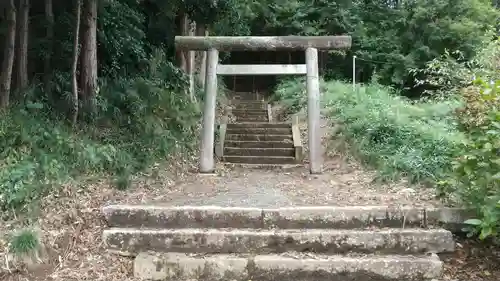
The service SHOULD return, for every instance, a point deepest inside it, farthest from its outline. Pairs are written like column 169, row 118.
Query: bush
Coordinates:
column 476, row 177
column 138, row 120
column 388, row 132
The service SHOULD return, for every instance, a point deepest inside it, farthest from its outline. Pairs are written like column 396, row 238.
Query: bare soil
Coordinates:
column 341, row 184
column 472, row 260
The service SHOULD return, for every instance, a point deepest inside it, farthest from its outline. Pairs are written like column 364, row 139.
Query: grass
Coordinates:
column 24, row 242
column 391, row 134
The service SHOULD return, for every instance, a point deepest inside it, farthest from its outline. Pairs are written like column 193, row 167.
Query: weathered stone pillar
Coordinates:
column 313, row 112
column 207, row 164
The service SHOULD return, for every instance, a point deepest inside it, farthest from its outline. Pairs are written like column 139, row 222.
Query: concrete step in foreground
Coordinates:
column 129, row 241
column 310, row 243
column 312, row 217
column 287, row 267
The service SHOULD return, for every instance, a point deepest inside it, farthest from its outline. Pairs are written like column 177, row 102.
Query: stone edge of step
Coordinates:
column 176, row 266
column 259, row 137
column 153, row 216
column 258, row 131
column 259, row 148
column 260, row 151
column 332, row 241
column 258, row 144
column 269, row 160
column 240, row 125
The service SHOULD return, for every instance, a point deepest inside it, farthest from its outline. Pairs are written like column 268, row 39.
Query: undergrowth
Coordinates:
column 138, row 121
column 451, row 144
column 476, row 175
column 393, row 135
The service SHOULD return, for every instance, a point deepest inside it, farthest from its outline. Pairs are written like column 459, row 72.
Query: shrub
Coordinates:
column 388, row 132
column 476, row 177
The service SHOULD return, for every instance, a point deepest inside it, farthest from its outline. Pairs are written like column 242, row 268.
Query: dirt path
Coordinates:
column 341, row 185
column 71, row 222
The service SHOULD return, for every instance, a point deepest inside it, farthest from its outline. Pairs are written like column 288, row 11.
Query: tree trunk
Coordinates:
column 8, row 56
column 182, row 54
column 22, row 48
column 202, row 30
column 49, row 37
column 88, row 69
column 191, row 66
column 74, row 83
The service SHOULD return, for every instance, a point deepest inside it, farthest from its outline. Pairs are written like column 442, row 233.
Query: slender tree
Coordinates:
column 88, row 69
column 49, row 37
column 8, row 56
column 74, row 82
column 22, row 48
column 201, row 30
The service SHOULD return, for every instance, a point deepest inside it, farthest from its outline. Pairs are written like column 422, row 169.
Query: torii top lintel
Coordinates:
column 258, row 43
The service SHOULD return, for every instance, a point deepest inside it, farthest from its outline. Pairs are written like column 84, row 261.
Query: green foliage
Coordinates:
column 450, row 73
column 25, row 242
column 444, row 76
column 388, row 132
column 476, row 177
column 121, row 37
column 474, row 180
column 140, row 120
column 487, row 60
column 390, row 38
column 38, row 151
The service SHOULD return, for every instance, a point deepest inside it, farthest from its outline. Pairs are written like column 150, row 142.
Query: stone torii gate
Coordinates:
column 309, row 44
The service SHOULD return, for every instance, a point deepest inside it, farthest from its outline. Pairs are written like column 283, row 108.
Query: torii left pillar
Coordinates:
column 207, row 164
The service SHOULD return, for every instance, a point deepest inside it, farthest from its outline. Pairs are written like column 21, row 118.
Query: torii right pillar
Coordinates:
column 313, row 112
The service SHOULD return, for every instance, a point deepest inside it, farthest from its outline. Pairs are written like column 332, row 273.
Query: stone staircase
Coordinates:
column 208, row 243
column 253, row 138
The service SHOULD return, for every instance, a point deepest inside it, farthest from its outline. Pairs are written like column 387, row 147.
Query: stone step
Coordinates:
column 246, row 97
column 245, row 119
column 130, row 241
column 260, row 151
column 318, row 217
column 254, row 112
column 249, row 104
column 258, row 131
column 248, row 101
column 287, row 267
column 261, row 137
column 278, row 160
column 258, row 144
column 243, row 93
column 245, row 107
column 286, row 168
column 259, row 125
